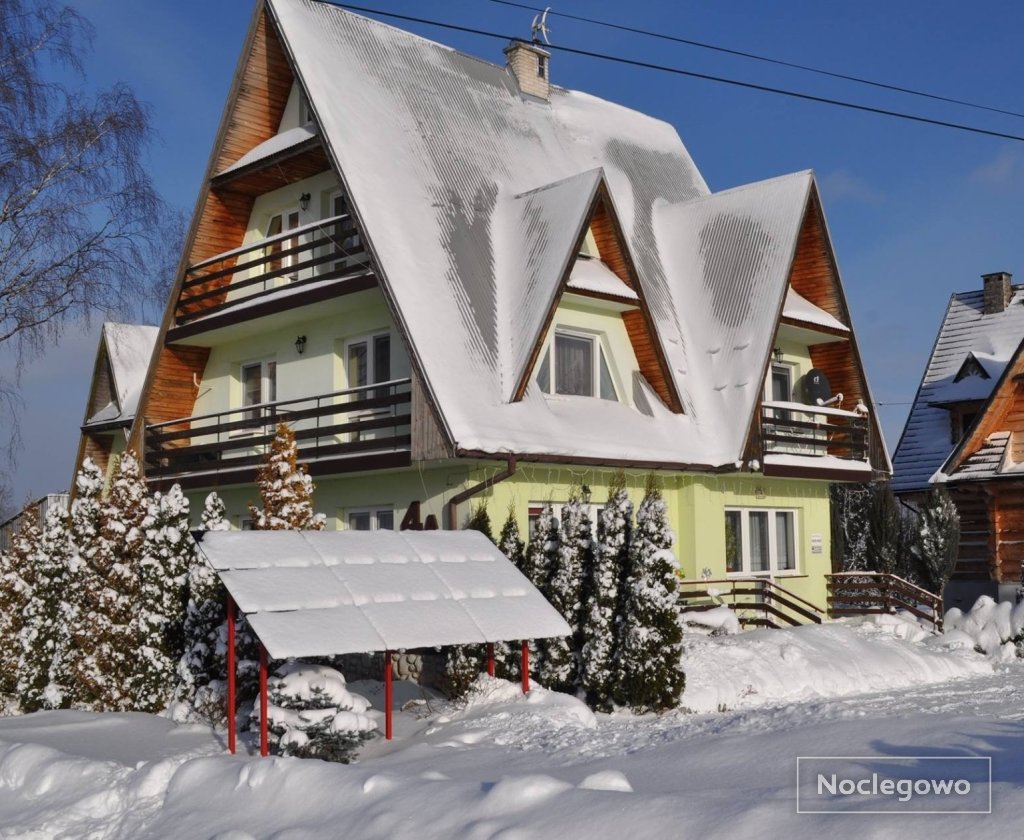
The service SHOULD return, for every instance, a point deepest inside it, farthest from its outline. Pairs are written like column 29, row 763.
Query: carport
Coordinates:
column 327, row 593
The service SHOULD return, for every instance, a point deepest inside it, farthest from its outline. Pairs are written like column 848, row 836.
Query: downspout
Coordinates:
column 459, row 498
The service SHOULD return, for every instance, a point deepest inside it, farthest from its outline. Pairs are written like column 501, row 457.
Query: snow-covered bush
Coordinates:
column 650, row 638
column 995, row 629
column 507, row 657
column 285, row 489
column 16, row 579
column 539, row 560
column 480, row 520
column 937, row 540
column 850, row 506
column 597, row 674
column 312, row 714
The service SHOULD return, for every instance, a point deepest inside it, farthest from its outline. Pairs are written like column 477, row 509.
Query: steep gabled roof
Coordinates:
column 966, row 331
column 122, row 359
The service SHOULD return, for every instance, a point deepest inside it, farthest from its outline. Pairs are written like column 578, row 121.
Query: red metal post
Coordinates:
column 264, row 739
column 524, row 666
column 490, row 659
column 387, row 695
column 231, row 675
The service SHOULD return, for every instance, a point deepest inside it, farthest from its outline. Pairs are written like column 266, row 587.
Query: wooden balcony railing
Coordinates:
column 757, row 601
column 877, row 593
column 324, row 250
column 358, row 421
column 797, row 429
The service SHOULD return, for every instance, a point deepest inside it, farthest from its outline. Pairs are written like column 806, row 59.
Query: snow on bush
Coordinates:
column 285, row 488
column 312, row 714
column 490, row 696
column 996, row 629
column 718, row 621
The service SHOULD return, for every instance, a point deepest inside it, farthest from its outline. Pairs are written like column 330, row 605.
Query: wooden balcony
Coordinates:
column 801, row 440
column 355, row 429
column 291, row 266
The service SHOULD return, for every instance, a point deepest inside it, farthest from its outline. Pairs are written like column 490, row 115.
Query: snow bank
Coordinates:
column 717, row 621
column 766, row 667
column 489, row 696
column 991, row 627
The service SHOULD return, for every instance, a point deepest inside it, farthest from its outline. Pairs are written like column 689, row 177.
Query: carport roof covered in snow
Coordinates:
column 320, row 593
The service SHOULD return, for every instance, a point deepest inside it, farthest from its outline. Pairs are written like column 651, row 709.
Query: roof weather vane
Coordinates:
column 540, row 27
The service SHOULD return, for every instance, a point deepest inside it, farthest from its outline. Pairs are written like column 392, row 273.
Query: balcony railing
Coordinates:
column 814, row 431
column 358, row 421
column 327, row 249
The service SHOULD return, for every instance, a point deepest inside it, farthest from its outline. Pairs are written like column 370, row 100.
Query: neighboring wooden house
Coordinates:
column 118, row 375
column 962, row 432
column 460, row 283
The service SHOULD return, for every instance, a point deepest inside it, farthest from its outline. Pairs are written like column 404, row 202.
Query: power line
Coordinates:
column 769, row 60
column 692, row 74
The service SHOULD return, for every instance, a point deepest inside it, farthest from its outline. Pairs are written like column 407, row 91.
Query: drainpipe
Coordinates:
column 458, row 499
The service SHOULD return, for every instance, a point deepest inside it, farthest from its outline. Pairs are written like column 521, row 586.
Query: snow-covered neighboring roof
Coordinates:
column 319, row 593
column 129, row 348
column 800, row 308
column 987, row 462
column 472, row 194
column 272, row 146
column 966, row 329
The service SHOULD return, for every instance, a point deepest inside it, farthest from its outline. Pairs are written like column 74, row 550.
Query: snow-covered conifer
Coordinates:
column 541, row 551
column 312, row 714
column 615, row 528
column 649, row 674
column 507, row 656
column 937, row 540
column 39, row 684
column 17, row 573
column 167, row 556
column 285, row 489
column 850, row 504
column 480, row 521
column 559, row 667
column 108, row 635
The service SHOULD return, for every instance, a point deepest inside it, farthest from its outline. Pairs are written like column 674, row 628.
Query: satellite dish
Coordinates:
column 540, row 27
column 817, row 390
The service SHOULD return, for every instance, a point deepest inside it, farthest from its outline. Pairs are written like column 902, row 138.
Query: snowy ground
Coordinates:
column 511, row 767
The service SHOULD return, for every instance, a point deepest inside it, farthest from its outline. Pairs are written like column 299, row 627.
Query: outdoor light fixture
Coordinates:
column 585, row 494
column 304, row 201
column 300, row 344
column 777, row 354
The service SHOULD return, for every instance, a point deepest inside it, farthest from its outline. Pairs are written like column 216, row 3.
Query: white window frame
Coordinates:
column 600, row 353
column 371, row 363
column 287, row 243
column 264, row 365
column 351, row 245
column 534, row 509
column 773, row 569
column 374, row 512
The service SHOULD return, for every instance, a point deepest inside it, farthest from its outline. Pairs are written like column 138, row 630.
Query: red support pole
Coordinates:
column 387, row 695
column 525, row 666
column 231, row 675
column 264, row 739
column 490, row 659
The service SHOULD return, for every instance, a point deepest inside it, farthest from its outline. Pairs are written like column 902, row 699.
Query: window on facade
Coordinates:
column 368, row 360
column 535, row 509
column 278, row 251
column 961, row 419
column 371, row 519
column 259, row 385
column 760, row 541
column 575, row 364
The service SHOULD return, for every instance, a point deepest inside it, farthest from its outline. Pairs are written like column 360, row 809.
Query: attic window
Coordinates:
column 577, row 367
column 971, row 367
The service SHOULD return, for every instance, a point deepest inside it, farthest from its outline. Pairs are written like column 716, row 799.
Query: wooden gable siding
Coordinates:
column 649, row 355
column 172, row 393
column 813, row 275
column 96, row 447
column 429, row 442
column 1004, row 412
column 102, row 392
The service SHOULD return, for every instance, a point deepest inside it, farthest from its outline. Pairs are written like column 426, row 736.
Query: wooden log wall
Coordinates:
column 1007, row 505
column 977, row 542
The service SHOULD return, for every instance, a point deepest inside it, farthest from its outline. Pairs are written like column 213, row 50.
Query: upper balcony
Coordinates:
column 356, row 429
column 303, row 265
column 798, row 440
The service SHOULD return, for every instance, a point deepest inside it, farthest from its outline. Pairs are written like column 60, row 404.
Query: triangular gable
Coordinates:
column 603, row 221
column 1002, row 411
column 970, row 368
column 102, row 390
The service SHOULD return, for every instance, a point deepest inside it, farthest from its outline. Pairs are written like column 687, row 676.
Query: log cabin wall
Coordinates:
column 977, row 542
column 1008, row 520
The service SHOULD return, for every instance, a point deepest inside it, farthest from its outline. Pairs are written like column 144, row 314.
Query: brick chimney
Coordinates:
column 529, row 64
column 998, row 291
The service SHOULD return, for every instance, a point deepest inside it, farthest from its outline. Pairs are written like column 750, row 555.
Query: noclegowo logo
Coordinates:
column 894, row 785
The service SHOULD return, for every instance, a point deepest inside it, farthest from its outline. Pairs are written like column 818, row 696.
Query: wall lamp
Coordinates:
column 777, row 354
column 300, row 344
column 304, row 201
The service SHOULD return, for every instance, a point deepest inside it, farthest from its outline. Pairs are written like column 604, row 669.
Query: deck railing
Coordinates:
column 365, row 420
column 797, row 429
column 876, row 593
column 757, row 601
column 324, row 250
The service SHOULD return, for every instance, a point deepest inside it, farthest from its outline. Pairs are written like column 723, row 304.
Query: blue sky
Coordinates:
column 915, row 212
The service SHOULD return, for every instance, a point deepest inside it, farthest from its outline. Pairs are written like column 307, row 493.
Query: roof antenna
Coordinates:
column 540, row 26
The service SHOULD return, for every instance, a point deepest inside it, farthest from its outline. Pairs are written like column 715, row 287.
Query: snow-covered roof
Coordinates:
column 278, row 143
column 461, row 180
column 129, row 348
column 319, row 593
column 987, row 462
column 592, row 275
column 965, row 330
column 799, row 308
